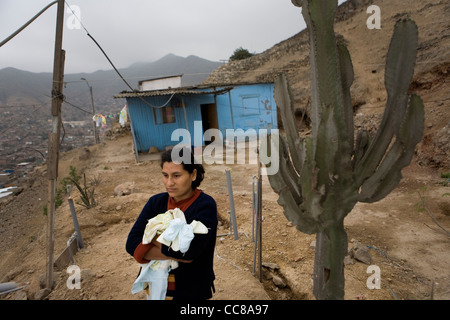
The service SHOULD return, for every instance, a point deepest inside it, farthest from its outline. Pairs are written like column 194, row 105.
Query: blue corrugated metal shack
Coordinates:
column 156, row 114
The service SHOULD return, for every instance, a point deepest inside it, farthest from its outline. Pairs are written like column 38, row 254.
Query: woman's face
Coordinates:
column 178, row 181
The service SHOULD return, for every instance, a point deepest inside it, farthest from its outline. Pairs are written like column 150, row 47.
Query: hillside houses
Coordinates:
column 25, row 139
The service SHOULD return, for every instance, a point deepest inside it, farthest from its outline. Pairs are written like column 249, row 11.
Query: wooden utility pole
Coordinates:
column 54, row 138
column 94, row 124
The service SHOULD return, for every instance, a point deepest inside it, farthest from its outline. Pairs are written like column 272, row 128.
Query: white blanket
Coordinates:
column 173, row 232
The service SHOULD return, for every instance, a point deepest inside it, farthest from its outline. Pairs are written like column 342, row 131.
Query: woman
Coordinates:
column 194, row 277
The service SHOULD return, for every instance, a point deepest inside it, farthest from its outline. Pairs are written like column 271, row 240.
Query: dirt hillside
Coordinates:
column 410, row 249
column 404, row 242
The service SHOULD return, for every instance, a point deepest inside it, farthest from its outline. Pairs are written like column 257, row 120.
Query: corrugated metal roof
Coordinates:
column 172, row 91
column 163, row 77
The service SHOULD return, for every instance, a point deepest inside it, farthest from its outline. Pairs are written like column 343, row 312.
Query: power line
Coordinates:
column 101, row 49
column 79, row 108
column 112, row 64
column 26, row 24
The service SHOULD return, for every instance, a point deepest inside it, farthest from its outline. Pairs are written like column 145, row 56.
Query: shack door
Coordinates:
column 209, row 117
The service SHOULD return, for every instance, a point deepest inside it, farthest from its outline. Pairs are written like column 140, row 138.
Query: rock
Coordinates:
column 267, row 275
column 270, row 265
column 348, row 260
column 87, row 274
column 100, row 224
column 361, row 253
column 153, row 150
column 42, row 294
column 312, row 245
column 278, row 282
column 42, row 281
column 124, row 189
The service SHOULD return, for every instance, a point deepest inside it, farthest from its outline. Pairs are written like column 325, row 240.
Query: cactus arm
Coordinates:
column 326, row 148
column 347, row 77
column 330, row 65
column 401, row 58
column 398, row 75
column 288, row 175
column 290, row 196
column 283, row 99
column 340, row 191
column 319, row 17
column 388, row 175
column 361, row 146
column 312, row 194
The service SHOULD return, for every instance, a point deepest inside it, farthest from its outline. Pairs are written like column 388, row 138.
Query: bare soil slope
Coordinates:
column 407, row 245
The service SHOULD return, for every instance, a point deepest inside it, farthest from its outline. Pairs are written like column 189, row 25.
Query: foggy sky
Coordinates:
column 142, row 31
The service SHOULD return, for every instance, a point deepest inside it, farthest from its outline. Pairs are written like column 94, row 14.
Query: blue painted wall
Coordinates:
column 252, row 107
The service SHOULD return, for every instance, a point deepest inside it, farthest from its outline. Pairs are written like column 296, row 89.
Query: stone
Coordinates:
column 87, row 274
column 278, row 282
column 43, row 281
column 361, row 253
column 348, row 260
column 124, row 189
column 270, row 265
column 42, row 294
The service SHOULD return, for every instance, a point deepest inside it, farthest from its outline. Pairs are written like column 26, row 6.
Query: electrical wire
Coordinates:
column 79, row 108
column 101, row 49
column 26, row 24
column 112, row 64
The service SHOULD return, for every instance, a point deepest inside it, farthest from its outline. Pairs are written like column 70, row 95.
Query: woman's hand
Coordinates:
column 181, row 260
column 156, row 243
column 155, row 253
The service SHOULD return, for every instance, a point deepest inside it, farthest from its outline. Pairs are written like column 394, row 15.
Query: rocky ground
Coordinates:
column 404, row 242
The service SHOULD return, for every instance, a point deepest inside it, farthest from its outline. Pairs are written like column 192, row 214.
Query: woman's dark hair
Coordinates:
column 185, row 157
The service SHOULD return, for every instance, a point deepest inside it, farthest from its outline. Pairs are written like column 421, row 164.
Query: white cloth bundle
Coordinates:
column 174, row 232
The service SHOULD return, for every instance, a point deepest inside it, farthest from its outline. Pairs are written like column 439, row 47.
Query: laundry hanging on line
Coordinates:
column 123, row 116
column 100, row 119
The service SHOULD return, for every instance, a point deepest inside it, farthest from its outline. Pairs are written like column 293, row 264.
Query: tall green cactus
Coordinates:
column 320, row 179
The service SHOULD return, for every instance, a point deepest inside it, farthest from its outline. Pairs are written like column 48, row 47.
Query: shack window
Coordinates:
column 164, row 115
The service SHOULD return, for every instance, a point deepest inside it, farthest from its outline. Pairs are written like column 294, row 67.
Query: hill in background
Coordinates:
column 22, row 88
column 25, row 100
